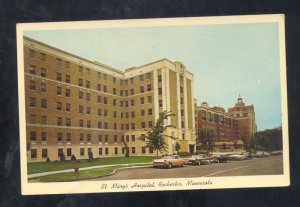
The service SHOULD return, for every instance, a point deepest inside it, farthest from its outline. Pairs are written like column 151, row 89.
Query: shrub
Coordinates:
column 91, row 156
column 62, row 157
column 48, row 159
column 73, row 158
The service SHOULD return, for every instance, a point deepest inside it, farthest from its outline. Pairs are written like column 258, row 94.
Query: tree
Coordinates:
column 62, row 156
column 126, row 149
column 205, row 136
column 177, row 147
column 269, row 139
column 155, row 137
column 91, row 156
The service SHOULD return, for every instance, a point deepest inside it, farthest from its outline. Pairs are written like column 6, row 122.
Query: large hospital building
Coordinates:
column 77, row 106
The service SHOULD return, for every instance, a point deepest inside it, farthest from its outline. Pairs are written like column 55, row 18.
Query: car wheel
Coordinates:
column 170, row 165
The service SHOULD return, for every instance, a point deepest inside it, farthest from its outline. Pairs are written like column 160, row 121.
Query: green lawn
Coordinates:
column 38, row 167
column 71, row 176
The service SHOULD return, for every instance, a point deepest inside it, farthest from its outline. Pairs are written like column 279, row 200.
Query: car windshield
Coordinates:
column 168, row 157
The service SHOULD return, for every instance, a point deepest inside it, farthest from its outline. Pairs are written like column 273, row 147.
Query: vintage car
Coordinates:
column 237, row 157
column 169, row 161
column 261, row 154
column 276, row 153
column 218, row 158
column 199, row 159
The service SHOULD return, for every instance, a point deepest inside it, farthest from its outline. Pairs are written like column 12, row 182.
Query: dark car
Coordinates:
column 219, row 158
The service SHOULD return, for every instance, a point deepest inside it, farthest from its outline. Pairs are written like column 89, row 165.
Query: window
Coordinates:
column 127, row 126
column 114, row 102
column 182, row 113
column 126, row 92
column 44, row 153
column 150, row 149
column 43, row 120
column 58, row 76
column 132, row 102
column 114, row 91
column 32, row 119
column 43, row 103
column 159, row 91
column 132, row 91
column 32, row 69
column 32, row 102
column 87, row 84
column 33, row 153
column 142, row 112
column 88, row 71
column 81, row 138
column 88, row 138
column 81, row 123
column 132, row 125
column 142, row 100
column 127, row 138
column 121, row 103
column 68, row 107
column 133, row 138
column 80, row 82
column 58, row 121
column 160, row 103
column 105, row 125
column 106, row 138
column 43, row 72
column 106, row 150
column 126, row 103
column 127, row 115
column 88, row 96
column 67, row 64
column 58, row 62
column 68, row 121
column 69, row 152
column 100, row 151
column 69, row 137
column 88, row 110
column 105, row 112
column 32, row 53
column 105, row 100
column 121, row 82
column 99, row 125
column 133, row 150
column 115, row 126
column 58, row 106
column 150, row 124
column 149, row 87
column 142, row 89
column 143, row 125
column 100, row 138
column 116, row 150
column 115, row 114
column 148, row 75
column 32, row 85
column 181, row 89
column 104, row 88
column 182, row 124
column 43, row 87
column 80, row 69
column 122, row 115
column 131, row 80
column 159, row 78
column 99, row 87
column 99, row 112
column 81, row 151
column 88, row 124
column 68, row 92
column 33, row 136
column 181, row 100
column 43, row 57
column 81, row 109
column 149, row 111
column 99, row 75
column 99, row 99
column 126, row 82
column 58, row 90
column 149, row 99
column 141, row 77
column 132, row 114
column 143, row 150
column 44, row 136
column 60, row 152
column 115, row 138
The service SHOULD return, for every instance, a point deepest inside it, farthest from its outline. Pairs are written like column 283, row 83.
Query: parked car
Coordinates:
column 276, row 153
column 199, row 159
column 219, row 158
column 237, row 157
column 247, row 155
column 169, row 161
column 261, row 154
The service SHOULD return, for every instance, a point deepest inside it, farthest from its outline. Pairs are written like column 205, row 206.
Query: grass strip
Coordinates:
column 83, row 174
column 37, row 167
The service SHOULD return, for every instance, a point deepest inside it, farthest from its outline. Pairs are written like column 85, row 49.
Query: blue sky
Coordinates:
column 226, row 60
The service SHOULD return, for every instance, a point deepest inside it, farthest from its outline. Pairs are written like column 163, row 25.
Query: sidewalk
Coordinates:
column 80, row 169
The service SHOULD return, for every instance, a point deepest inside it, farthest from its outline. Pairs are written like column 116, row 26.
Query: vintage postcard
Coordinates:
column 153, row 104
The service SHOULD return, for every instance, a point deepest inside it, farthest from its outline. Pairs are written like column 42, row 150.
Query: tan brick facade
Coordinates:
column 74, row 105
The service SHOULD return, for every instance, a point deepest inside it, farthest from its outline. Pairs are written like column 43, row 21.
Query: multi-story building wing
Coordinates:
column 77, row 106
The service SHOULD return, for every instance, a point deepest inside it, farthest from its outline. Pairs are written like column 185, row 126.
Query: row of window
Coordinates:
column 217, row 118
column 68, row 136
column 101, row 151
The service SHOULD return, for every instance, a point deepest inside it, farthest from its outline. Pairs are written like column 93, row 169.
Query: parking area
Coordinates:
column 272, row 165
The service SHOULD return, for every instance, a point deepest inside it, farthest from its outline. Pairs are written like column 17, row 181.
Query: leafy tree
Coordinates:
column 91, row 156
column 155, row 137
column 269, row 139
column 177, row 147
column 126, row 149
column 205, row 136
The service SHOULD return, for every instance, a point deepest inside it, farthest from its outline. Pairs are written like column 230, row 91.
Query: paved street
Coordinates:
column 257, row 166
